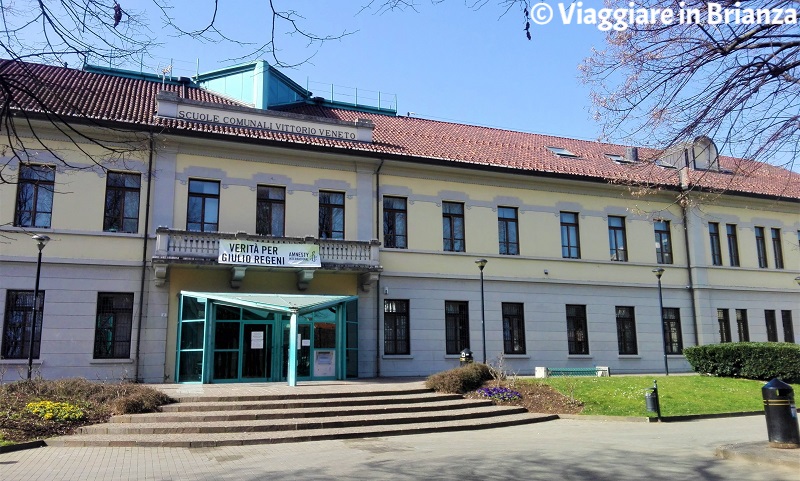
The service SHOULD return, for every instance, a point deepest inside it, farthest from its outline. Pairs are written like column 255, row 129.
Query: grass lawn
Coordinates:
column 679, row 395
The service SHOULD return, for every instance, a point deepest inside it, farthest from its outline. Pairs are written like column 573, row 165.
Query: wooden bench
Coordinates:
column 573, row 371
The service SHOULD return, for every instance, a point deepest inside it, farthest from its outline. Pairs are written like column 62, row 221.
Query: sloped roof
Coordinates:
column 74, row 93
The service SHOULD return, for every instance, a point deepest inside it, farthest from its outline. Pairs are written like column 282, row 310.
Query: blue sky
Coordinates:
column 444, row 62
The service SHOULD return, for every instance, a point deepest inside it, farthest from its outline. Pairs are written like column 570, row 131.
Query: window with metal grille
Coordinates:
column 761, row 248
column 777, row 249
column 772, row 325
column 713, row 236
column 663, row 242
column 513, row 328
column 672, row 330
column 733, row 244
column 507, row 230
column 626, row 330
column 270, row 210
column 616, row 238
column 17, row 325
column 453, row 227
column 570, row 240
column 788, row 328
column 577, row 334
column 203, row 207
column 331, row 215
column 456, row 326
column 394, row 222
column 35, row 196
column 396, row 327
column 723, row 319
column 741, row 325
column 112, row 335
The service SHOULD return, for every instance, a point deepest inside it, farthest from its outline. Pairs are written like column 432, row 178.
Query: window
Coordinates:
column 672, row 330
column 35, row 196
column 331, row 215
column 741, row 325
column 453, row 227
column 17, row 325
column 395, row 327
column 507, row 230
column 270, row 210
column 761, row 248
column 788, row 328
column 733, row 244
column 203, row 212
column 776, row 248
column 713, row 235
column 626, row 331
column 513, row 328
column 577, row 335
column 570, row 240
column 122, row 202
column 663, row 242
column 561, row 152
column 456, row 321
column 723, row 318
column 616, row 238
column 112, row 335
column 772, row 326
column 395, row 229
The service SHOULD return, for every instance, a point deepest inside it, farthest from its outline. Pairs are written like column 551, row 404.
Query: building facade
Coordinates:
column 262, row 234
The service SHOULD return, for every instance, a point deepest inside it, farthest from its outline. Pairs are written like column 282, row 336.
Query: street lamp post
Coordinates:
column 481, row 264
column 41, row 241
column 660, row 272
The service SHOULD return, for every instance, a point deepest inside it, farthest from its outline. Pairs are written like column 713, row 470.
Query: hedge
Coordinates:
column 751, row 360
column 459, row 380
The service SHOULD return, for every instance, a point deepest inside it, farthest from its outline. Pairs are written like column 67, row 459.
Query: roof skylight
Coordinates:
column 561, row 152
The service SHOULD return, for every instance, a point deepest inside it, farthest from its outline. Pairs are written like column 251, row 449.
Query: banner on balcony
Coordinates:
column 249, row 253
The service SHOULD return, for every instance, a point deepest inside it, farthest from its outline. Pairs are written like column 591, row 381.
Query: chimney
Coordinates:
column 631, row 154
column 184, row 81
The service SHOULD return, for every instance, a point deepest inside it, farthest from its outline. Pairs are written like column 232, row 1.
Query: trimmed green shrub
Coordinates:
column 459, row 380
column 751, row 360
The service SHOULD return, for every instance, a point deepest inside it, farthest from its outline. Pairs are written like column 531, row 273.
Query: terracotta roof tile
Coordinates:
column 70, row 92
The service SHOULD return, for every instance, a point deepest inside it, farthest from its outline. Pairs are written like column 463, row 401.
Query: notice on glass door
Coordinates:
column 257, row 340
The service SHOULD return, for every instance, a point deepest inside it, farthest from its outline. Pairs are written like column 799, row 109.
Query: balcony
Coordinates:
column 187, row 247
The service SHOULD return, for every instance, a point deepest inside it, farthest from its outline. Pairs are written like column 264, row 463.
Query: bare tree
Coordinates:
column 102, row 32
column 732, row 79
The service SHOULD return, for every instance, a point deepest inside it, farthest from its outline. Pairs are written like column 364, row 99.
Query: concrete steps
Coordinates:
column 283, row 418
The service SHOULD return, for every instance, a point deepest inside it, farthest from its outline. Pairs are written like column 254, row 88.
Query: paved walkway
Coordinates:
column 563, row 449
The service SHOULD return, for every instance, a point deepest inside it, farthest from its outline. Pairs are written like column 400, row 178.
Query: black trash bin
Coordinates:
column 781, row 414
column 466, row 357
column 651, row 400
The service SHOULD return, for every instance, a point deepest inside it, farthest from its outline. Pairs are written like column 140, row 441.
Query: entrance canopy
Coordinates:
column 229, row 337
column 301, row 304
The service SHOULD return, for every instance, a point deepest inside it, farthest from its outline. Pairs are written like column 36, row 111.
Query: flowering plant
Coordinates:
column 500, row 394
column 57, row 411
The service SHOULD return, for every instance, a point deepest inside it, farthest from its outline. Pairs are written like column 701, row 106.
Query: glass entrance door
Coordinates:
column 303, row 350
column 257, row 352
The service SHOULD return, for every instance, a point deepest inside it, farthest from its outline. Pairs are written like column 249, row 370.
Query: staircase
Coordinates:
column 288, row 418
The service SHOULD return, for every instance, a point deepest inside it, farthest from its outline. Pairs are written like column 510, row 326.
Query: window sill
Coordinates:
column 516, row 356
column 580, row 356
column 19, row 362
column 676, row 356
column 397, row 356
column 111, row 361
column 629, row 356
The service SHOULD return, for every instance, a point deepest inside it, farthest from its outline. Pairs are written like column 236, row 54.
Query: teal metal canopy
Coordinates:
column 288, row 303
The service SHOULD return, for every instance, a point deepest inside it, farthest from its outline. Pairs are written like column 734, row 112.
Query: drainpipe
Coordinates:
column 144, row 258
column 378, row 224
column 684, row 202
